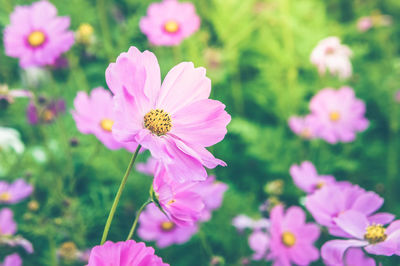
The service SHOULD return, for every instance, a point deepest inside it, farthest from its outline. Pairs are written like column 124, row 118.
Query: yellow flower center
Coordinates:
column 320, row 184
column 167, row 226
column 107, row 124
column 329, row 50
column 171, row 26
column 48, row 115
column 334, row 116
column 170, row 202
column 375, row 233
column 288, row 239
column 5, row 196
column 158, row 122
column 306, row 133
column 84, row 33
column 36, row 38
column 68, row 250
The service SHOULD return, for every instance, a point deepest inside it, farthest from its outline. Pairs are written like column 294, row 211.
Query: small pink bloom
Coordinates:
column 175, row 121
column 36, row 35
column 12, row 260
column 212, row 193
column 183, row 206
column 330, row 202
column 242, row 222
column 7, row 224
column 128, row 253
column 147, row 168
column 94, row 114
column 292, row 239
column 303, row 126
column 259, row 243
column 155, row 226
column 305, row 177
column 14, row 192
column 373, row 237
column 169, row 22
column 338, row 114
column 17, row 241
column 333, row 56
column 364, row 24
column 10, row 95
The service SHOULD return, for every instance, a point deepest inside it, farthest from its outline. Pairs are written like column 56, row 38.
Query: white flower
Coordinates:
column 333, row 56
column 10, row 140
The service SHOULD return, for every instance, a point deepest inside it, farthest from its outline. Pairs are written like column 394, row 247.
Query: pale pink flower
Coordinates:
column 10, row 95
column 305, row 177
column 241, row 222
column 155, row 226
column 12, row 260
column 292, row 239
column 373, row 237
column 333, row 56
column 14, row 192
column 332, row 201
column 36, row 35
column 128, row 253
column 175, row 121
column 364, row 24
column 169, row 22
column 338, row 114
column 303, row 126
column 94, row 114
column 259, row 242
column 7, row 223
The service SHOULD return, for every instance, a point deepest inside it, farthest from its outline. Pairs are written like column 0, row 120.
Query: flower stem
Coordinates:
column 132, row 231
column 118, row 196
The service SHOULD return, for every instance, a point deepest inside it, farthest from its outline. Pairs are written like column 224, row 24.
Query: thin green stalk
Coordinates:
column 204, row 243
column 132, row 231
column 105, row 29
column 118, row 196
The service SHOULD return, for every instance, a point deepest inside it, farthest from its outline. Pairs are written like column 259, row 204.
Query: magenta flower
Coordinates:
column 306, row 178
column 179, row 200
column 212, row 193
column 128, row 253
column 12, row 260
column 36, row 35
column 15, row 192
column 259, row 242
column 373, row 237
column 155, row 226
column 175, row 121
column 303, row 126
column 332, row 201
column 147, row 168
column 333, row 56
column 356, row 257
column 169, row 22
column 94, row 114
column 7, row 224
column 339, row 114
column 292, row 238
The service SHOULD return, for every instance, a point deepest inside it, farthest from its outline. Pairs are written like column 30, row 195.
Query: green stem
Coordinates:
column 204, row 243
column 105, row 29
column 132, row 231
column 118, row 196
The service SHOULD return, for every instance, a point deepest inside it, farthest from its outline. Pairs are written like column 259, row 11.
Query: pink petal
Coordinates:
column 353, row 223
column 332, row 251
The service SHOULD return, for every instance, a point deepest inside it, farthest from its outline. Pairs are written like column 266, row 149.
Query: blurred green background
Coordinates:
column 257, row 56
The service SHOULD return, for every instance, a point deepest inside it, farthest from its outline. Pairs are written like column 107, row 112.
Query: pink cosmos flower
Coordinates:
column 333, row 56
column 94, row 114
column 14, row 192
column 212, row 193
column 36, row 35
column 303, row 126
column 332, row 201
column 179, row 200
column 7, row 224
column 128, row 253
column 10, row 95
column 169, row 22
column 175, row 121
column 147, row 168
column 364, row 24
column 292, row 238
column 305, row 177
column 155, row 226
column 12, row 260
column 259, row 243
column 373, row 237
column 338, row 114
column 356, row 257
